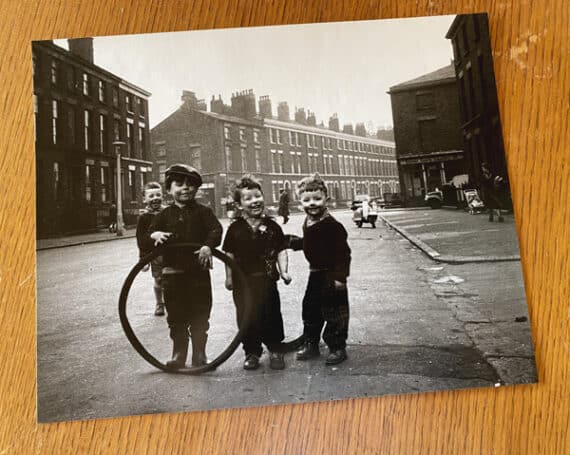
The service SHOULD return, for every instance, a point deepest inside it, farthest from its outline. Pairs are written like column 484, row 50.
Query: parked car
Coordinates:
column 391, row 200
column 450, row 193
column 434, row 198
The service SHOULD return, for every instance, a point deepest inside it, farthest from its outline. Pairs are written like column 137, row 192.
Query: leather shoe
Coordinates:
column 251, row 362
column 276, row 361
column 159, row 310
column 336, row 356
column 308, row 351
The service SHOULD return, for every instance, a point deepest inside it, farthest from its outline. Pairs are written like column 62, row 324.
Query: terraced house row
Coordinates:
column 227, row 141
column 81, row 113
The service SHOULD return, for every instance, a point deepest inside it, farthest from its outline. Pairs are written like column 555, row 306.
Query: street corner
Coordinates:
column 454, row 236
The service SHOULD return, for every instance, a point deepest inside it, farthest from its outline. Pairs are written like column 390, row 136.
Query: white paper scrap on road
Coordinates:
column 449, row 279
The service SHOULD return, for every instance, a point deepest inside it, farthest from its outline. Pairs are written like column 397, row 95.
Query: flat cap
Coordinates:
column 184, row 170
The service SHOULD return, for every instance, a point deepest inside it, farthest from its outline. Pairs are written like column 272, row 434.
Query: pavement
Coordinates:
column 81, row 239
column 454, row 236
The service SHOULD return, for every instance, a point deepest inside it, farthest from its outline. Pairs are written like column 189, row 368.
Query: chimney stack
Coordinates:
column 265, row 107
column 217, row 105
column 300, row 116
column 283, row 111
column 82, row 47
column 333, row 123
column 360, row 129
column 311, row 119
column 243, row 104
column 348, row 129
column 189, row 100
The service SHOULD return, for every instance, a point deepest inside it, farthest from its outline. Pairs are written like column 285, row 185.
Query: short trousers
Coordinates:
column 156, row 267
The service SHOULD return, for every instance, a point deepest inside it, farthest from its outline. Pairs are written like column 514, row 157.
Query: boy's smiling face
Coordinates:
column 314, row 203
column 182, row 190
column 251, row 202
column 153, row 198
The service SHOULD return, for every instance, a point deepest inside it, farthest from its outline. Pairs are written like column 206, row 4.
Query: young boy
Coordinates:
column 152, row 199
column 257, row 244
column 326, row 297
column 185, row 274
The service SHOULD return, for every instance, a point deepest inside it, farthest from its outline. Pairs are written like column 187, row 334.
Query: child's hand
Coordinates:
column 229, row 283
column 160, row 237
column 339, row 285
column 205, row 257
column 145, row 268
column 286, row 277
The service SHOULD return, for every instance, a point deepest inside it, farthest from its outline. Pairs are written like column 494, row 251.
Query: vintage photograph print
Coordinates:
column 273, row 215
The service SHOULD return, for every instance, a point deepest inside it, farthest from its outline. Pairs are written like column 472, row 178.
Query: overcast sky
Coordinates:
column 342, row 67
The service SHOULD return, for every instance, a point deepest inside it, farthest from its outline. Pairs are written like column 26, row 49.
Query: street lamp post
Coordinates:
column 119, row 195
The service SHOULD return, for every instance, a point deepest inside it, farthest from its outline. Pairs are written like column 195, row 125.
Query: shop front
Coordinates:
column 427, row 172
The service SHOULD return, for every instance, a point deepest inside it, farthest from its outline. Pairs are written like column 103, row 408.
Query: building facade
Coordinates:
column 80, row 110
column 480, row 122
column 229, row 141
column 427, row 132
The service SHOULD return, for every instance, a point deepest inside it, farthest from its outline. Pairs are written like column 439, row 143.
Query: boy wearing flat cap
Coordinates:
column 186, row 277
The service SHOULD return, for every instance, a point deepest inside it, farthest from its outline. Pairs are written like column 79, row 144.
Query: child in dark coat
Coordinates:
column 185, row 274
column 153, row 205
column 257, row 244
column 325, row 303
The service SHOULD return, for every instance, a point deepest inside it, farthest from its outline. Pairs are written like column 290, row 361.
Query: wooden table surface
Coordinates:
column 530, row 41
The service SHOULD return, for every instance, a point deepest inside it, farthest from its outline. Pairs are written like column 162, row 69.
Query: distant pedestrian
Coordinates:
column 113, row 218
column 186, row 275
column 257, row 244
column 284, row 205
column 325, row 303
column 491, row 186
column 152, row 199
column 231, row 208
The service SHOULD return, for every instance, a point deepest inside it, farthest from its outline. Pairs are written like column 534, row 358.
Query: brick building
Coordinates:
column 427, row 132
column 480, row 123
column 222, row 143
column 230, row 140
column 80, row 109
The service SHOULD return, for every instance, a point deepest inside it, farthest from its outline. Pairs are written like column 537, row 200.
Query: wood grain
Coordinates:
column 531, row 48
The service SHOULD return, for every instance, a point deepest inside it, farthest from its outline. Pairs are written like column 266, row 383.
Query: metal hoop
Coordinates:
column 226, row 354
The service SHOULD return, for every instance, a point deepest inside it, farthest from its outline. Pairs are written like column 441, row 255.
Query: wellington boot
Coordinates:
column 199, row 357
column 179, row 353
